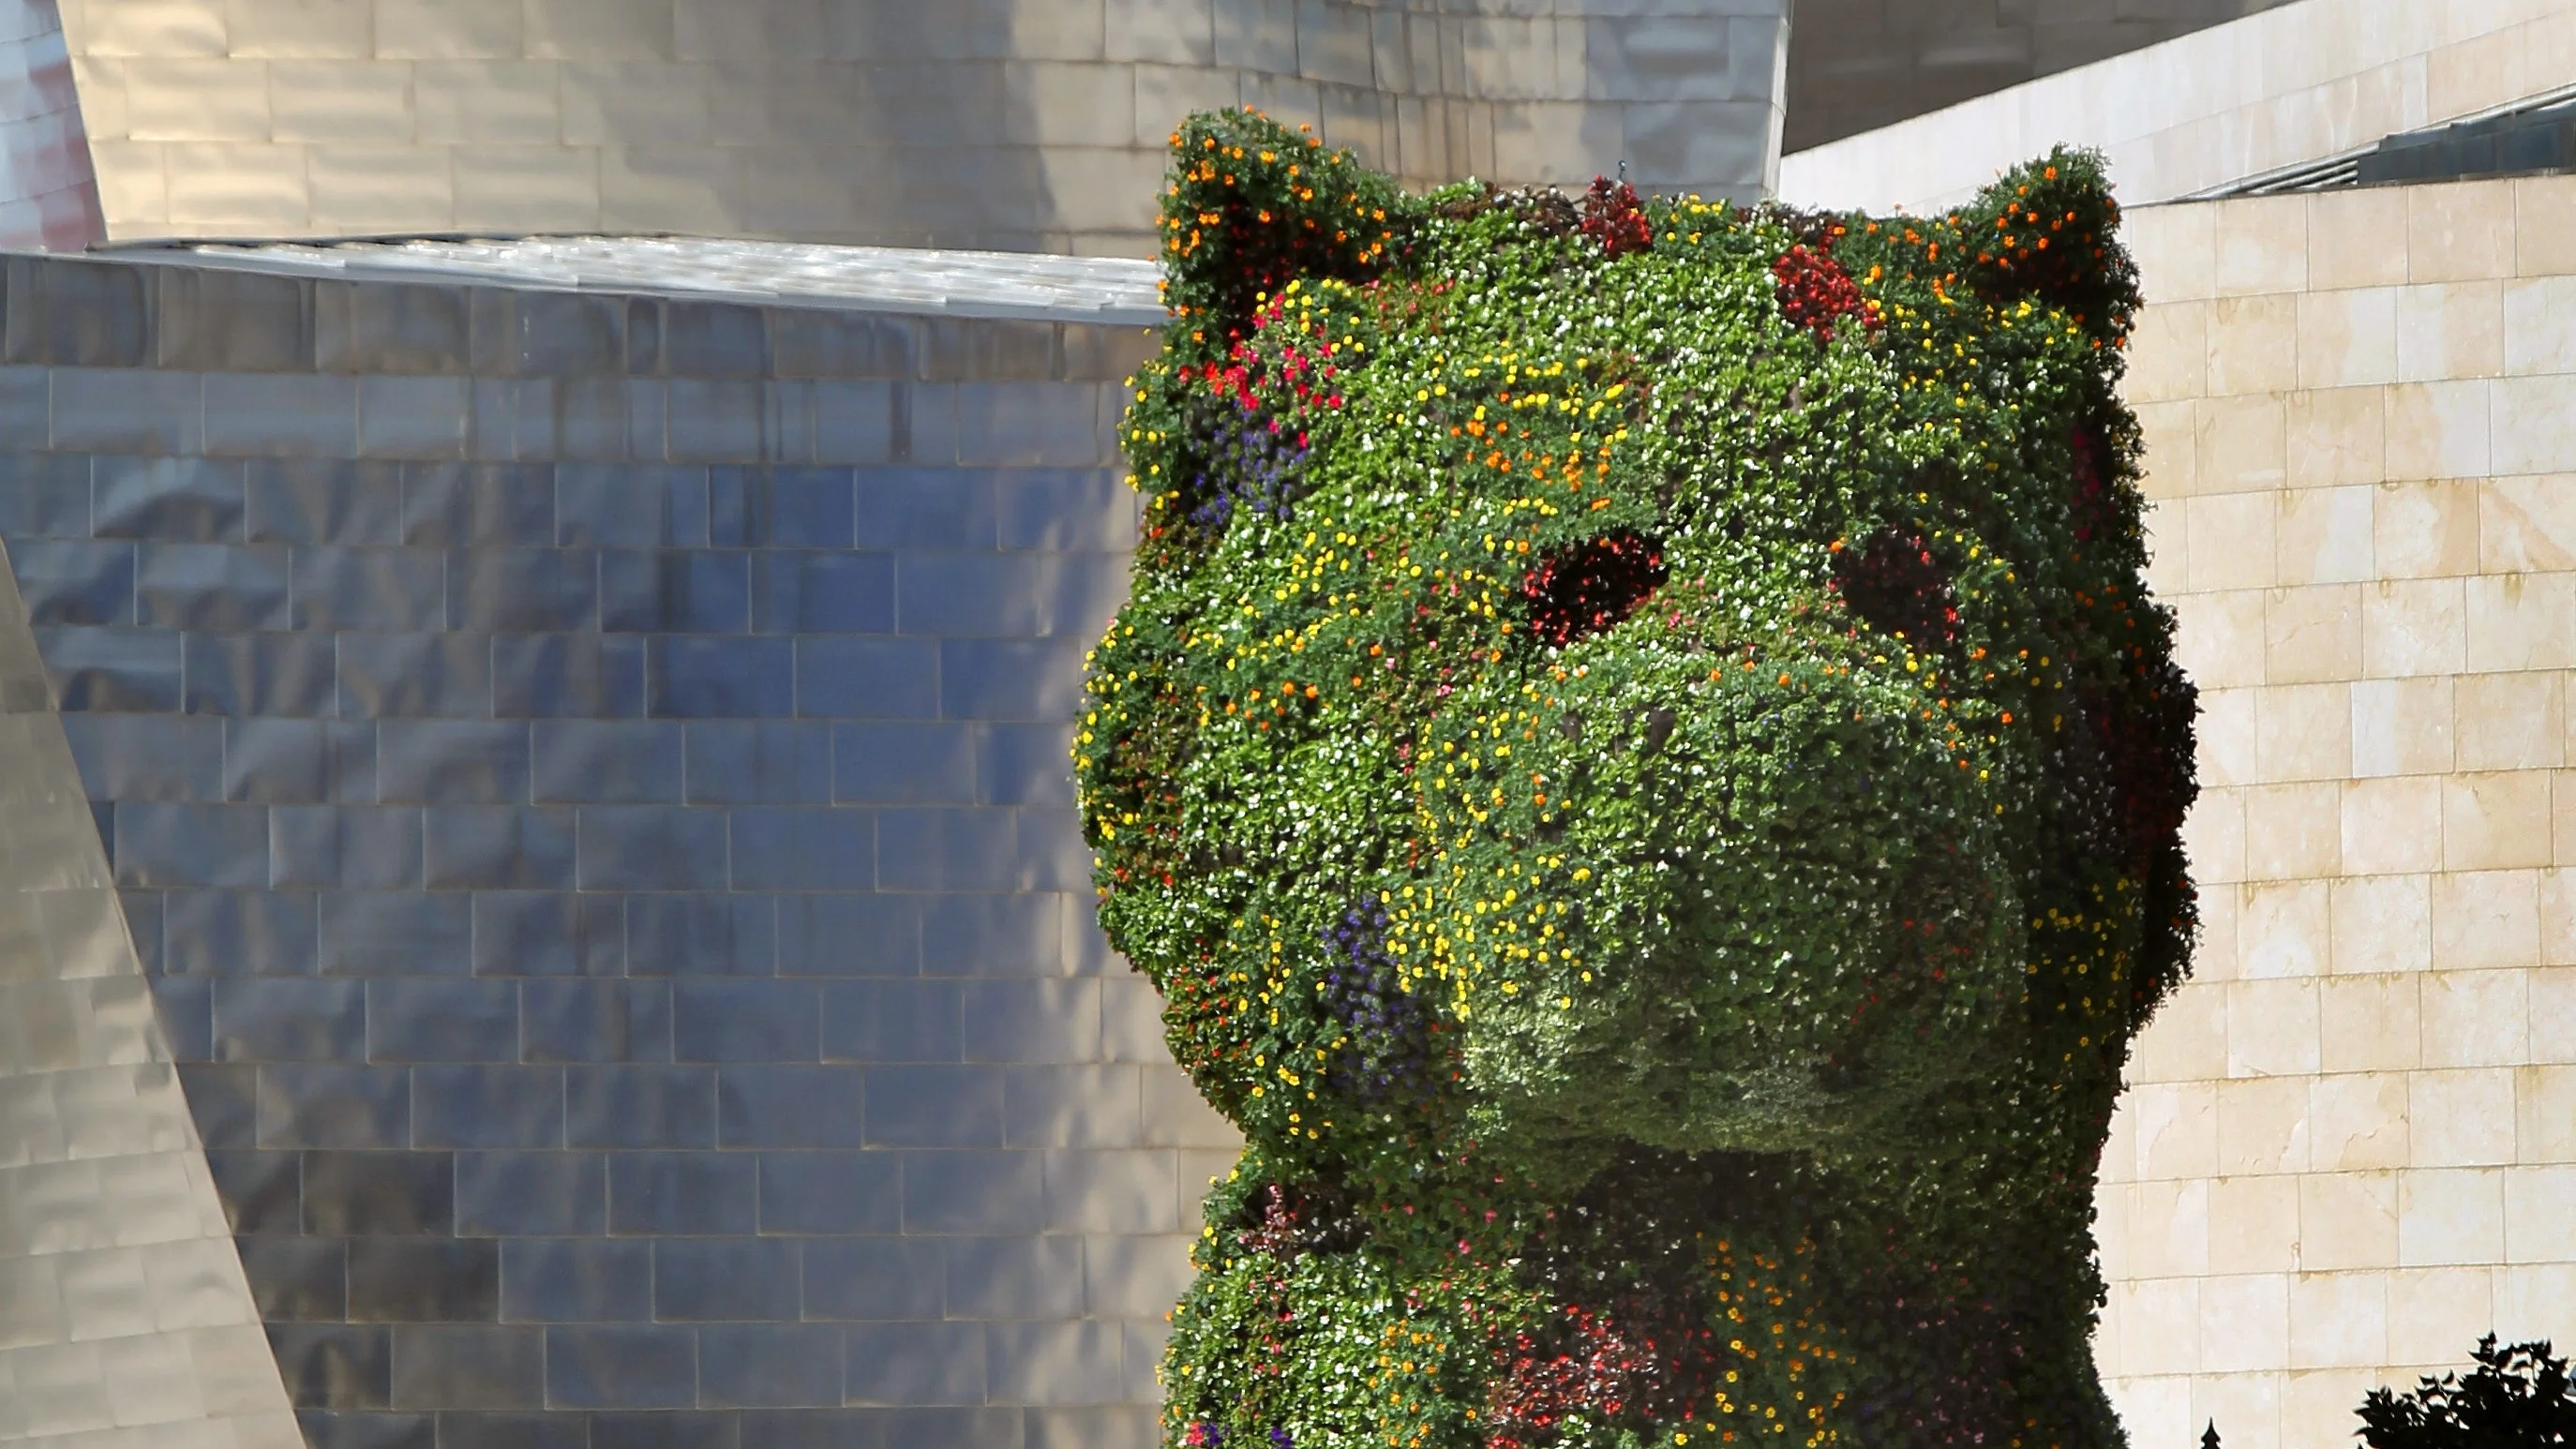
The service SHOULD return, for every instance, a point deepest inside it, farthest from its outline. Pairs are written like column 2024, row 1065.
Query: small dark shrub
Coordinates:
column 2516, row 1398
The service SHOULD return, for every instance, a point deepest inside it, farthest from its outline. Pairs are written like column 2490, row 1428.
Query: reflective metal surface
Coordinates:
column 1021, row 125
column 124, row 1315
column 588, row 777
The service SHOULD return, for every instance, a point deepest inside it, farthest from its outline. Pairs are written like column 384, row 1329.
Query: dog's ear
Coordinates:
column 2049, row 231
column 1250, row 205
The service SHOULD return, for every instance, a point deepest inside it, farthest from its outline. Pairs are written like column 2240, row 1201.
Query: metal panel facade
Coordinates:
column 1026, row 125
column 586, row 775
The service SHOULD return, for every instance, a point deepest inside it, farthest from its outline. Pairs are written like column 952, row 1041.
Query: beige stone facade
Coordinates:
column 1011, row 124
column 2349, row 1144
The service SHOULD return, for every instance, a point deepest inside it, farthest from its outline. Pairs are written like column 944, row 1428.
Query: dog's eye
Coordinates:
column 1895, row 585
column 1584, row 589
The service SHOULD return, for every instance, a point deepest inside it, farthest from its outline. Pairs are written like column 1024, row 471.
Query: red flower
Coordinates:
column 1814, row 290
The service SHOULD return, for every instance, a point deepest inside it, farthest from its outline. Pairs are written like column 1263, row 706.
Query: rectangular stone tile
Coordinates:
column 675, row 592
column 590, row 1021
column 607, row 761
column 217, row 587
column 112, row 669
column 919, row 1363
column 313, row 1105
column 683, row 933
column 803, row 849
column 789, row 1106
column 753, row 762
column 640, row 1106
column 745, row 1021
column 893, row 1021
column 770, row 1365
column 297, row 1279
column 373, row 589
column 347, row 1366
column 704, row 678
column 878, row 678
column 76, row 580
column 522, row 591
column 579, row 676
column 280, row 415
column 666, row 1193
column 551, row 1280
column 161, row 845
column 830, row 1193
column 166, row 497
column 395, row 933
column 147, row 757
column 415, row 674
column 480, row 504
column 721, row 1279
column 323, row 502
column 649, row 847
column 637, row 505
column 625, row 1367
column 258, row 1020
column 934, row 1106
column 219, row 932
column 424, row 1280
column 379, row 327
column 946, row 850
column 875, row 1278
column 45, row 495
column 824, row 593
column 498, row 847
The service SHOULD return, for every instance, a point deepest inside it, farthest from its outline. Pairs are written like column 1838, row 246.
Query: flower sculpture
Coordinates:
column 1643, row 768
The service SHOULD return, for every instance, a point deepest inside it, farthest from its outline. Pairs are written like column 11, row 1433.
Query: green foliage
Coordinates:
column 2516, row 1398
column 1642, row 766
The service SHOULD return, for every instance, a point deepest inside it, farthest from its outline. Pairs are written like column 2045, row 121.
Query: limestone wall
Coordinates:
column 1013, row 124
column 2349, row 1144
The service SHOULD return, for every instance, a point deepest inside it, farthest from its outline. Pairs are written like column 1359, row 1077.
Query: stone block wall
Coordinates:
column 1013, row 124
column 2349, row 1144
column 586, row 777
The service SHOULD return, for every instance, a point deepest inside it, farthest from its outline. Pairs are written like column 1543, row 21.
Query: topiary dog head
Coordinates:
column 1631, row 677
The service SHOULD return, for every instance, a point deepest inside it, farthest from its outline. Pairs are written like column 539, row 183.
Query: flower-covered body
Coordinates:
column 1642, row 766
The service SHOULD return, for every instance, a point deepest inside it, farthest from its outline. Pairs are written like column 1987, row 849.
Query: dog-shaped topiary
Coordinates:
column 1643, row 768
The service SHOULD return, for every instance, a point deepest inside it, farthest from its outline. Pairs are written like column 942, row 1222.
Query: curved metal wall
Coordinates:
column 1014, row 124
column 124, row 1317
column 587, row 778
column 48, row 194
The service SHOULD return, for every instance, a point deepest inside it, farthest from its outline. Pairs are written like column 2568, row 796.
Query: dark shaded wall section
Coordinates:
column 1856, row 65
column 587, row 778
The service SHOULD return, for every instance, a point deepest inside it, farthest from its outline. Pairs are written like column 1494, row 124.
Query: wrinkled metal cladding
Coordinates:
column 123, row 1305
column 48, row 190
column 1012, row 125
column 586, row 776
